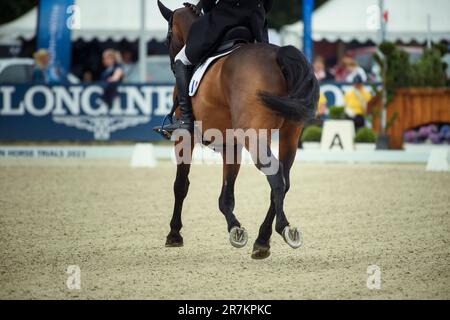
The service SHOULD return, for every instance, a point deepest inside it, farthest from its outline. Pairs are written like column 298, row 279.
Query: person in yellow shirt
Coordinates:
column 322, row 110
column 356, row 101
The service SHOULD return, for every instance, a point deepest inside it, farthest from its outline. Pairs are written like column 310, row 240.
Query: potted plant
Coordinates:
column 336, row 113
column 365, row 140
column 413, row 94
column 311, row 137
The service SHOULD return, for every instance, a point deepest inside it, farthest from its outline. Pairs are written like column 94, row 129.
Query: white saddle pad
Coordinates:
column 200, row 72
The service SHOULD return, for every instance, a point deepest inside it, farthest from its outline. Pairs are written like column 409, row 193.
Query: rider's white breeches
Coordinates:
column 182, row 57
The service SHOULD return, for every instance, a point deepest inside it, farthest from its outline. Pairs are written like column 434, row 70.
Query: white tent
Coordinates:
column 348, row 20
column 102, row 19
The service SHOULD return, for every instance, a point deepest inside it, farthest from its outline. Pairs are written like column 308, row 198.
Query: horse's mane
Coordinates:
column 196, row 9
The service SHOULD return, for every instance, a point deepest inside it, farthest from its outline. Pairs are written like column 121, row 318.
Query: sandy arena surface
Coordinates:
column 112, row 220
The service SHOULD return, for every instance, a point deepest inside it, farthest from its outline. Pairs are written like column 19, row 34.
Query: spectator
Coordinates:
column 356, row 101
column 128, row 63
column 340, row 71
column 322, row 109
column 42, row 73
column 88, row 76
column 112, row 76
column 321, row 74
column 353, row 70
column 319, row 68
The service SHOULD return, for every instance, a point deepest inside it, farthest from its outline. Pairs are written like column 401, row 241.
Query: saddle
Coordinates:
column 232, row 38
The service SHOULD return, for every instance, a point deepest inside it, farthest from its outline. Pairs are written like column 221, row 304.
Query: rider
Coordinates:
column 220, row 16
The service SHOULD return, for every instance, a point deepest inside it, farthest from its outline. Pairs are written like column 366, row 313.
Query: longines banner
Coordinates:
column 77, row 112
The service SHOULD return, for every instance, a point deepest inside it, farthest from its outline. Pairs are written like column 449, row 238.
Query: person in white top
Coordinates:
column 354, row 70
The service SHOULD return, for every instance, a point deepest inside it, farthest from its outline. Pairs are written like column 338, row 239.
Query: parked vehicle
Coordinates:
column 158, row 71
column 20, row 70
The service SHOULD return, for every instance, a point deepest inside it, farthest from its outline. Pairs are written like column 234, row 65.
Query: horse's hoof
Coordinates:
column 174, row 240
column 293, row 237
column 238, row 237
column 260, row 252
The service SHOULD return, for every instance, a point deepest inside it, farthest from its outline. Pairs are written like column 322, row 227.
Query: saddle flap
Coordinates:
column 201, row 70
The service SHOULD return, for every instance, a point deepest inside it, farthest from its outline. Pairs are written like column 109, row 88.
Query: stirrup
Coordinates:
column 164, row 133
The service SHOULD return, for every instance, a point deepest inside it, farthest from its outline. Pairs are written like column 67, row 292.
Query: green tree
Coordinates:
column 287, row 12
column 12, row 9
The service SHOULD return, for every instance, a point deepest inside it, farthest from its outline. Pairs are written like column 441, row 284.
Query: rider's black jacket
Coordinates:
column 219, row 18
column 209, row 4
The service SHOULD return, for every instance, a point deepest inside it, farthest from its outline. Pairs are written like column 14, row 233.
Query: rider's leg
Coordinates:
column 183, row 74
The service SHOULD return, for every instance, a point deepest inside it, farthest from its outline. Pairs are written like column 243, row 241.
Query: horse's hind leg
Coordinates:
column 289, row 135
column 180, row 189
column 238, row 235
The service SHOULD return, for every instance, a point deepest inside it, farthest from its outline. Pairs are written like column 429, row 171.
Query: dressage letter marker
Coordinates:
column 438, row 160
column 338, row 135
column 143, row 156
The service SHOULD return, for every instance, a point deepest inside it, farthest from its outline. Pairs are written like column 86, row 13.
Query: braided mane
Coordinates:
column 196, row 9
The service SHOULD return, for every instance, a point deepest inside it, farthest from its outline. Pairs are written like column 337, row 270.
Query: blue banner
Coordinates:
column 53, row 35
column 307, row 9
column 77, row 112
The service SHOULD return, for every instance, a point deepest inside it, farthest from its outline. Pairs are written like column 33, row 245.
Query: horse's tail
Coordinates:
column 300, row 103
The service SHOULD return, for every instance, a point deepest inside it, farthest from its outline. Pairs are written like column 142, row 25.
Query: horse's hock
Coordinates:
column 415, row 107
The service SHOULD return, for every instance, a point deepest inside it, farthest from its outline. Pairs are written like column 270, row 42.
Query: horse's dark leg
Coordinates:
column 261, row 248
column 278, row 190
column 180, row 189
column 226, row 199
column 289, row 136
column 238, row 235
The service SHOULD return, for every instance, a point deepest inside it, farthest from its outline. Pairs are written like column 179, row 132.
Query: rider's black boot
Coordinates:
column 183, row 76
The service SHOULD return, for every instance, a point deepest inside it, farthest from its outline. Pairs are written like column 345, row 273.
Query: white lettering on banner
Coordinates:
column 49, row 101
column 336, row 91
column 135, row 98
column 101, row 109
column 53, row 32
column 165, row 95
column 44, row 152
column 63, row 98
column 83, row 108
column 8, row 109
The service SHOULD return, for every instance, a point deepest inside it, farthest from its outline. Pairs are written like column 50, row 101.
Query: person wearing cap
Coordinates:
column 356, row 101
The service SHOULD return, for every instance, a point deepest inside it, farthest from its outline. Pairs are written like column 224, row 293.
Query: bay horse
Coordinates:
column 256, row 87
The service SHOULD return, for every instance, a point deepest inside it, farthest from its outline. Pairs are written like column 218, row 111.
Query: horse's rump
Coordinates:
column 259, row 83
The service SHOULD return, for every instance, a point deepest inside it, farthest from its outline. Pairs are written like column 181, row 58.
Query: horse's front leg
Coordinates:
column 231, row 166
column 180, row 190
